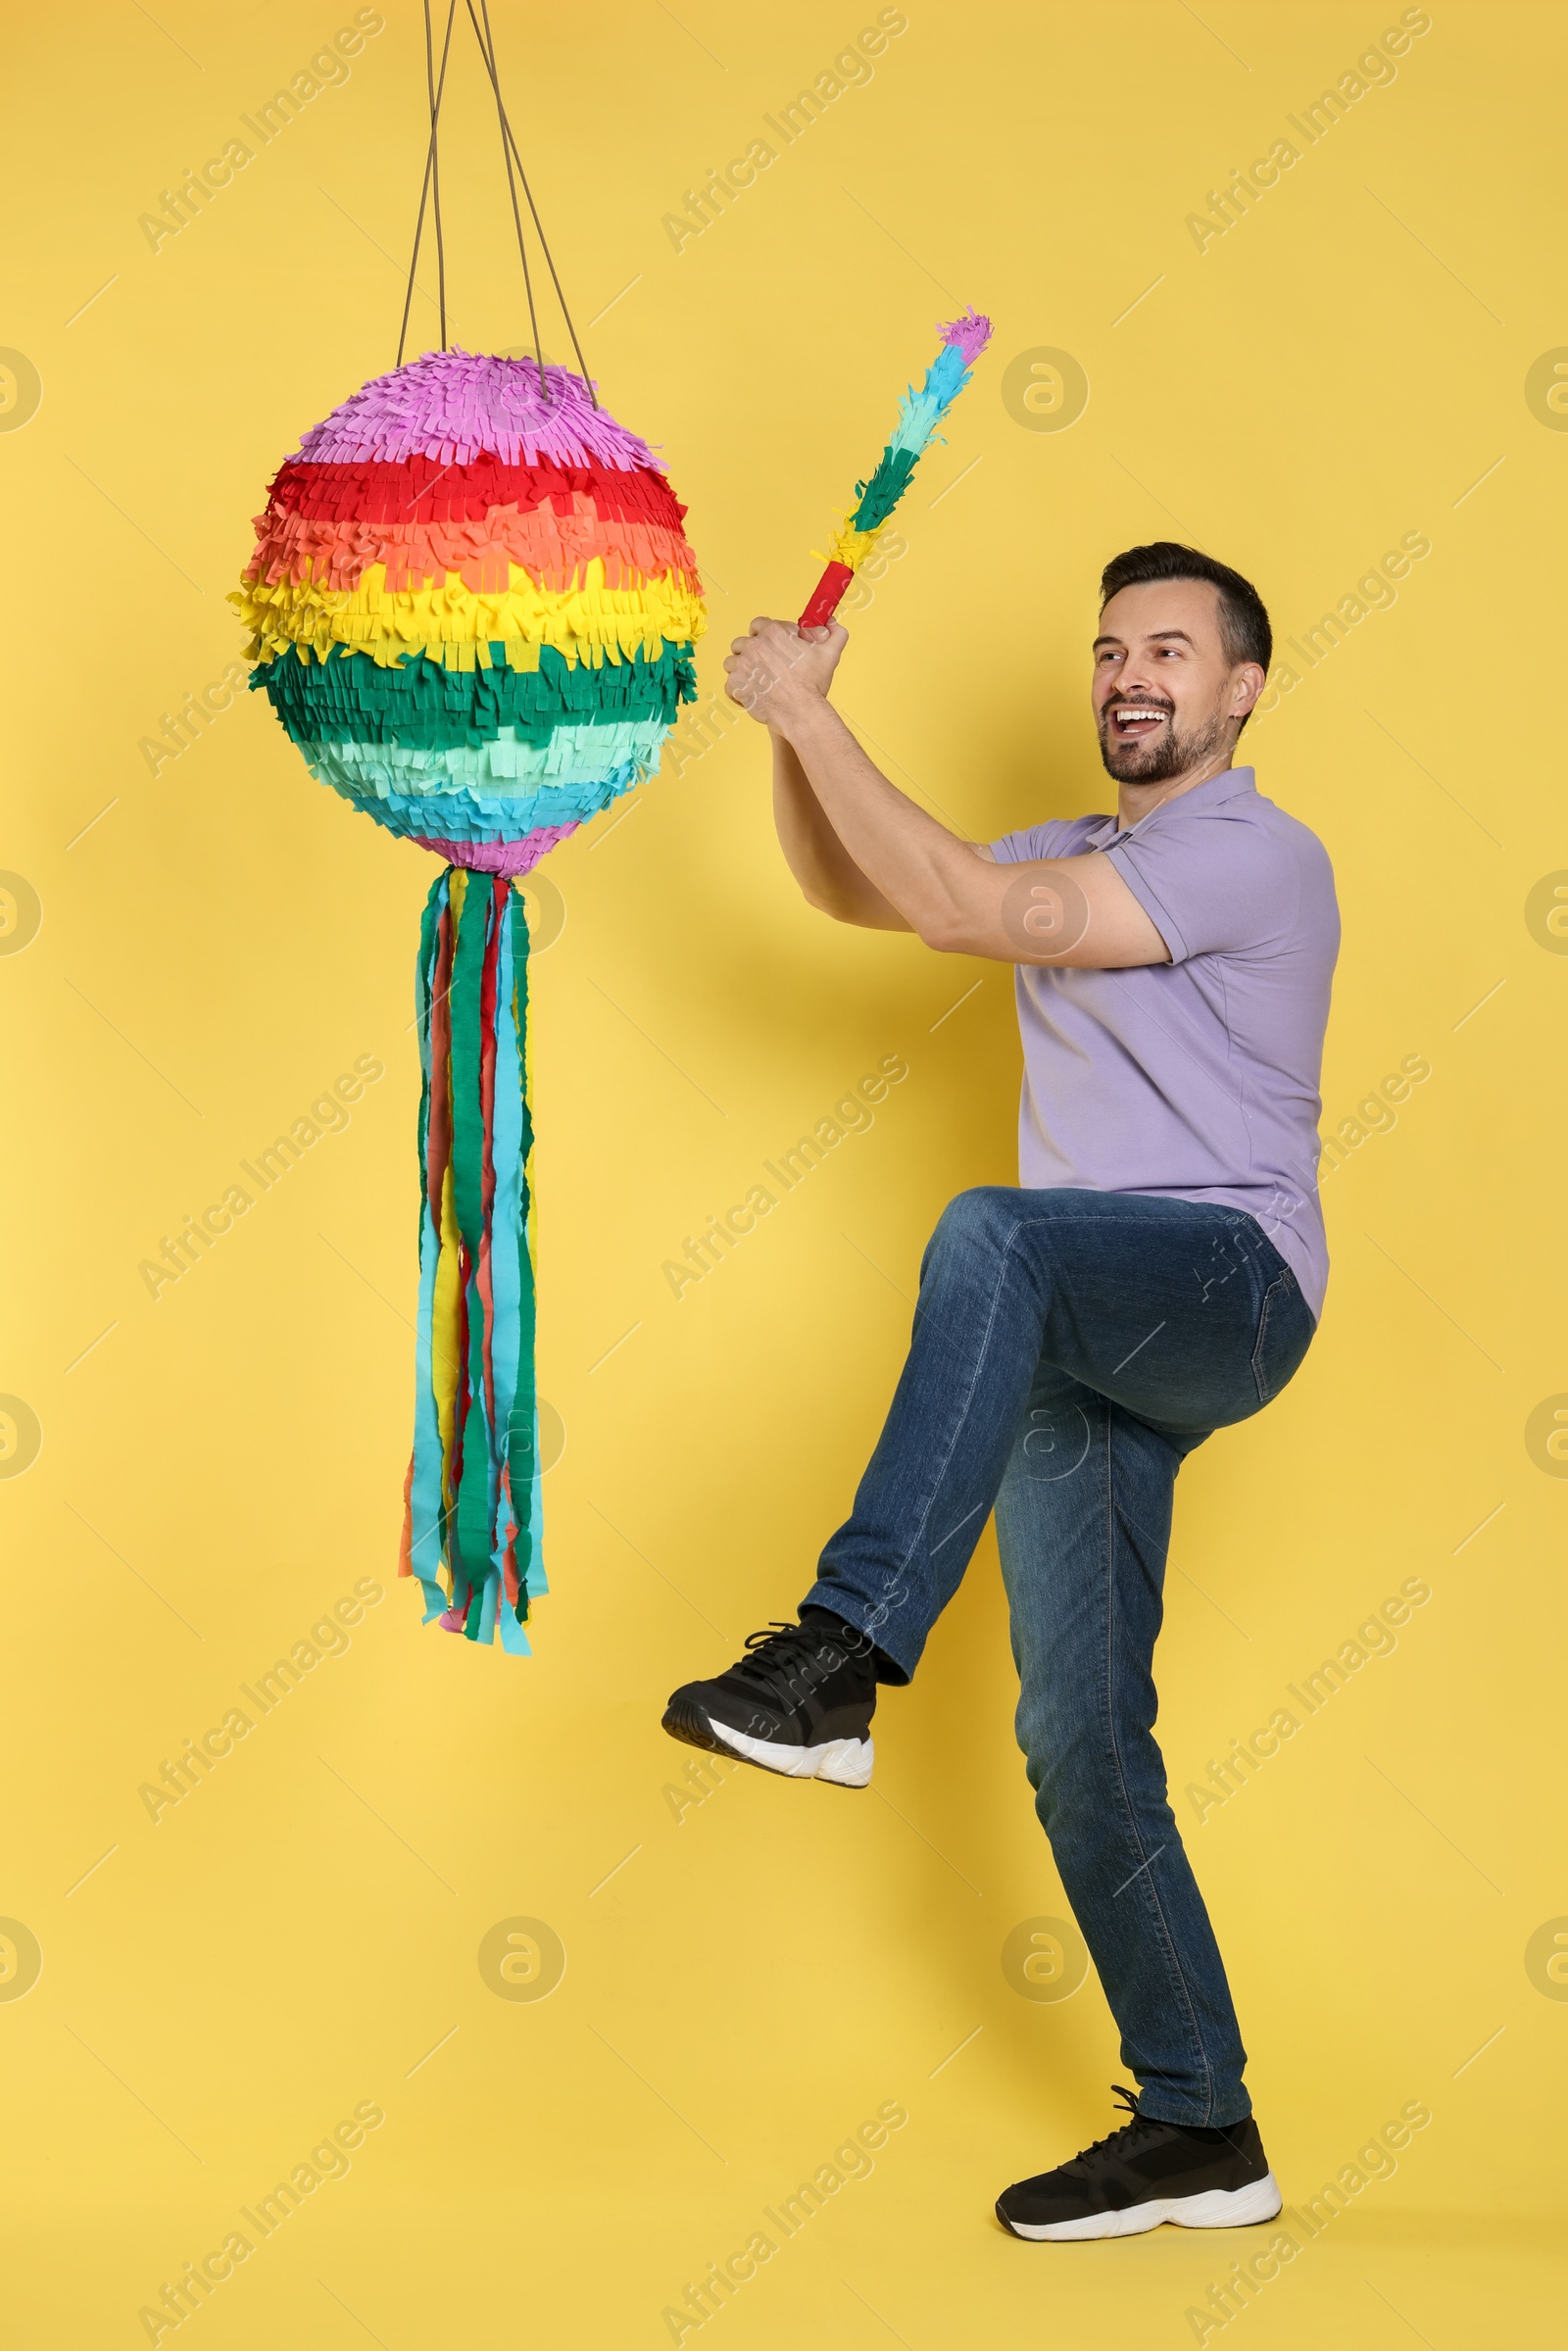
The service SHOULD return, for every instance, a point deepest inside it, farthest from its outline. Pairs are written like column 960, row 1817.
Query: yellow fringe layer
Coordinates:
column 457, row 626
column 850, row 547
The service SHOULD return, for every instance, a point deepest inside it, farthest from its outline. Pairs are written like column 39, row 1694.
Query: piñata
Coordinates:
column 474, row 607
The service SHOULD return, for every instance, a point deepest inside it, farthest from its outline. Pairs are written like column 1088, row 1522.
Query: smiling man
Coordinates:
column 1156, row 1275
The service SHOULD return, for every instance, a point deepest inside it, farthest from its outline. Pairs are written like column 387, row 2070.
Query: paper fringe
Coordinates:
column 509, row 857
column 420, row 749
column 348, row 699
column 466, row 814
column 421, row 490
column 555, row 550
column 454, row 406
column 454, row 621
column 473, row 1517
column 968, row 335
column 504, row 765
column 919, row 415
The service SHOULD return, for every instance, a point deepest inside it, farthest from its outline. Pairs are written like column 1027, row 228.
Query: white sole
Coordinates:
column 1217, row 2207
column 846, row 1762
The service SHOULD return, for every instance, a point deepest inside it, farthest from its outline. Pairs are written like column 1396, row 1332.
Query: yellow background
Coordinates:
column 218, row 1468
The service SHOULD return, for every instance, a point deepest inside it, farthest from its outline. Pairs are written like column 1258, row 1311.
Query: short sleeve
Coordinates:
column 1061, row 837
column 1212, row 883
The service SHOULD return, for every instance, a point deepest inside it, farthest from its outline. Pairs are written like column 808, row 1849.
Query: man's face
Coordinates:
column 1165, row 695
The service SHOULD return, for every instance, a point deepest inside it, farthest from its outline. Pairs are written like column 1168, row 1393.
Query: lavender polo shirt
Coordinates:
column 1196, row 1079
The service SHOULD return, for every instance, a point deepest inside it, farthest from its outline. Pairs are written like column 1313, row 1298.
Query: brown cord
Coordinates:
column 435, row 162
column 431, row 193
column 435, row 90
column 488, row 46
column 511, row 190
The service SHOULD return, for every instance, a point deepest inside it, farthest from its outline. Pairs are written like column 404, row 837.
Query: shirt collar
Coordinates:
column 1210, row 795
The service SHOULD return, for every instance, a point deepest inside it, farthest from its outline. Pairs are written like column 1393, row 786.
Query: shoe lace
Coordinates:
column 776, row 1654
column 1125, row 2136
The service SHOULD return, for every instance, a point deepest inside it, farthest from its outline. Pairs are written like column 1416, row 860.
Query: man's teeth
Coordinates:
column 1136, row 717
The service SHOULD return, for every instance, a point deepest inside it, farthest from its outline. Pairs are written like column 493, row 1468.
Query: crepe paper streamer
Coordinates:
column 472, row 1502
column 919, row 415
column 473, row 608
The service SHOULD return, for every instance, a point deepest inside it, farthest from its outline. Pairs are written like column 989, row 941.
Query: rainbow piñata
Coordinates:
column 474, row 607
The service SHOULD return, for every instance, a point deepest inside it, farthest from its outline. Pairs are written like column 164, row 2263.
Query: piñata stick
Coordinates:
column 919, row 415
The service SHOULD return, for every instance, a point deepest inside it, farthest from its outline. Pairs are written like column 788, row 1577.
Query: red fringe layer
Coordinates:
column 423, row 491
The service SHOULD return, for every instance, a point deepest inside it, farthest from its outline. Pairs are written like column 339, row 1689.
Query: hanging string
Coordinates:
column 430, row 194
column 512, row 187
column 488, row 47
column 437, row 90
column 435, row 160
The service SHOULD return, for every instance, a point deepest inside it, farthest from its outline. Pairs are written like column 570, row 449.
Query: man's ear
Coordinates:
column 1249, row 685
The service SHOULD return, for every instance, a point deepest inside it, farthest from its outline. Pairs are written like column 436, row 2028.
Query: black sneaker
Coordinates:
column 800, row 1702
column 1146, row 2173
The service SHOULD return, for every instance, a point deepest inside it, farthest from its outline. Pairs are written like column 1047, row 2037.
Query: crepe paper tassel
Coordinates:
column 919, row 415
column 473, row 608
column 472, row 1492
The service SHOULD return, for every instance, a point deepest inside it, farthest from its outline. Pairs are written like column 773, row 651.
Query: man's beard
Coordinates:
column 1168, row 754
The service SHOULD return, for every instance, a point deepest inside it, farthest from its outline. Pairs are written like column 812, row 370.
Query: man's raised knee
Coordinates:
column 982, row 1219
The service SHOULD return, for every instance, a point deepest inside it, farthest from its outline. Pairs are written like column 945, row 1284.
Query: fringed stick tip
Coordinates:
column 970, row 333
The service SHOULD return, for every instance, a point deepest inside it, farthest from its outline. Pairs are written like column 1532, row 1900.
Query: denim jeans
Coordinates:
column 1070, row 1349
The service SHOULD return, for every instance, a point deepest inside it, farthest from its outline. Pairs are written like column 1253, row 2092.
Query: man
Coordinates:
column 1157, row 1276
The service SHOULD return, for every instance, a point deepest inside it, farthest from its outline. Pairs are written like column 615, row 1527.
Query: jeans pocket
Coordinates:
column 1285, row 1329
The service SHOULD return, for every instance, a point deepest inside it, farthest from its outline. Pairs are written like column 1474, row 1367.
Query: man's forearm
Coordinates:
column 867, row 853
column 827, row 874
column 914, row 864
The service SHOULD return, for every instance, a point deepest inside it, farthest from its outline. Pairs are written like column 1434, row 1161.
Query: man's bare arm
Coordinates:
column 829, row 875
column 1075, row 911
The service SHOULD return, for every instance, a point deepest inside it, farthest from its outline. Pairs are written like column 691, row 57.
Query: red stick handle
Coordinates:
column 825, row 596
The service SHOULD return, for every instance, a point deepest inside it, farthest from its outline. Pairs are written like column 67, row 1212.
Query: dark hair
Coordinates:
column 1243, row 629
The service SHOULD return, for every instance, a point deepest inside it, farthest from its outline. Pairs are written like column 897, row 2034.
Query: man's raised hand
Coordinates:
column 778, row 670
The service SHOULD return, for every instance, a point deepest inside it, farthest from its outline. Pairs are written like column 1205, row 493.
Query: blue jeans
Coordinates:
column 1070, row 1351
